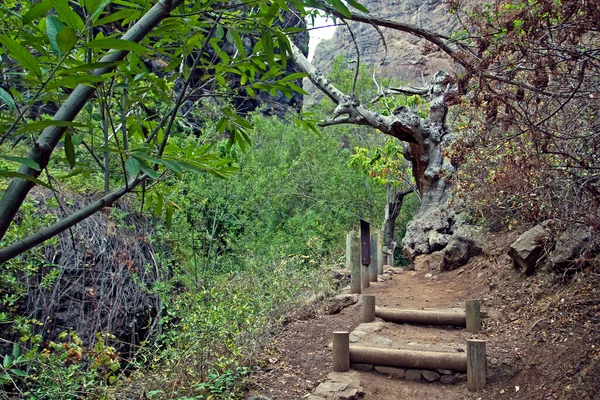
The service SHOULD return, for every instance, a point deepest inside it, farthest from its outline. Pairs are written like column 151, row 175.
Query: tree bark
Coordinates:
column 392, row 211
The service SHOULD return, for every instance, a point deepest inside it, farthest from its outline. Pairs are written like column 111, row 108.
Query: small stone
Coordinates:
column 430, row 376
column 494, row 361
column 460, row 377
column 394, row 372
column 445, row 371
column 362, row 367
column 428, row 275
column 460, row 271
column 383, row 278
column 412, row 375
column 448, row 379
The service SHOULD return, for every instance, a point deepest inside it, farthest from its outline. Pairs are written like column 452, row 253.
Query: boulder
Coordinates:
column 341, row 301
column 459, row 251
column 571, row 246
column 529, row 250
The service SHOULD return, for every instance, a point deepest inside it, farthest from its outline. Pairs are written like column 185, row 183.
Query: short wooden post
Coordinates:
column 353, row 260
column 341, row 351
column 364, row 277
column 380, row 254
column 476, row 365
column 473, row 311
column 368, row 308
column 374, row 257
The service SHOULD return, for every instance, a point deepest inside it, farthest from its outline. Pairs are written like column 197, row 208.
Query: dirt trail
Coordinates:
column 303, row 357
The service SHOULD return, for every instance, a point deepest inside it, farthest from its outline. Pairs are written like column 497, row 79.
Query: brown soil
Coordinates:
column 543, row 335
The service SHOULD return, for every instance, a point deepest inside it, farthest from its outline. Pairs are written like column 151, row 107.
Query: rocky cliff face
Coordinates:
column 409, row 59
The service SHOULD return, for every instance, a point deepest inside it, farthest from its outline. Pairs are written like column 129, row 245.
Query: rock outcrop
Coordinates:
column 408, row 59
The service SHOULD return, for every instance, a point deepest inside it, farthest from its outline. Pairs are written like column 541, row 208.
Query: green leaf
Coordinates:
column 7, row 361
column 21, row 54
column 36, row 11
column 95, row 7
column 16, row 350
column 67, row 39
column 23, row 160
column 44, row 124
column 69, row 150
column 18, row 372
column 267, row 42
column 169, row 216
column 116, row 44
column 152, row 174
column 133, row 166
column 67, row 15
column 53, row 27
column 7, row 99
column 87, row 67
column 341, row 7
column 358, row 6
column 73, row 81
column 10, row 174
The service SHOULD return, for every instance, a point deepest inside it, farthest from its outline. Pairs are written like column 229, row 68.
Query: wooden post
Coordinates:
column 473, row 311
column 341, row 351
column 353, row 260
column 380, row 254
column 476, row 365
column 368, row 308
column 374, row 257
column 364, row 277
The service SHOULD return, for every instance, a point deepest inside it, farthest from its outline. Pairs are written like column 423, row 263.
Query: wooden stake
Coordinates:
column 368, row 308
column 476, row 365
column 380, row 254
column 364, row 277
column 374, row 257
column 353, row 260
column 341, row 351
column 473, row 311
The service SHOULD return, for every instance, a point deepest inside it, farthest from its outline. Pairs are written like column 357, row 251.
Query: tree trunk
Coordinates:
column 425, row 140
column 392, row 211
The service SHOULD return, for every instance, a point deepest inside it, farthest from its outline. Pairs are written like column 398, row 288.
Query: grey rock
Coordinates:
column 412, row 375
column 571, row 245
column 362, row 367
column 341, row 301
column 459, row 251
column 340, row 385
column 445, row 371
column 394, row 372
column 529, row 250
column 460, row 377
column 430, row 376
column 428, row 276
column 356, row 336
column 448, row 379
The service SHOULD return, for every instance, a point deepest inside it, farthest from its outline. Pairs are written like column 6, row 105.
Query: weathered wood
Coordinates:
column 476, row 365
column 368, row 308
column 408, row 358
column 341, row 354
column 364, row 277
column 353, row 260
column 473, row 311
column 374, row 257
column 428, row 317
column 381, row 257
